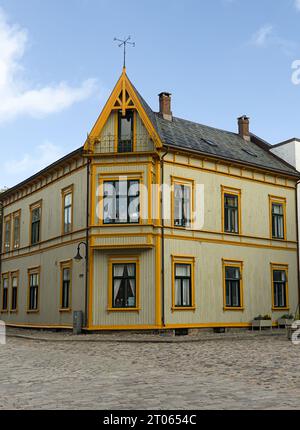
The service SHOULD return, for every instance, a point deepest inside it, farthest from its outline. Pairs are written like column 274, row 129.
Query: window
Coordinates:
column 67, row 196
column 277, row 216
column 125, row 131
column 233, row 291
column 7, row 233
column 66, row 276
column 124, row 284
column 121, row 202
column 231, row 210
column 14, row 291
column 34, row 281
column 182, row 202
column 183, row 283
column 36, row 212
column 5, row 293
column 279, row 286
column 16, row 229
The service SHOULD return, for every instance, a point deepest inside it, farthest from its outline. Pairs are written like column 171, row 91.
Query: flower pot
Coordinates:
column 262, row 324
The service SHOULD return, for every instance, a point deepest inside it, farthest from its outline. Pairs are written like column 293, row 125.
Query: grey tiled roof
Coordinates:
column 189, row 135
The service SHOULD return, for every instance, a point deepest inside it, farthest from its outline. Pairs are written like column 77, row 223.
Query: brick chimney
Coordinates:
column 165, row 105
column 243, row 123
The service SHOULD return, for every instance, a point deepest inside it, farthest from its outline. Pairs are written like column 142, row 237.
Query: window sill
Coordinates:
column 278, row 239
column 228, row 308
column 3, row 311
column 280, row 309
column 66, row 310
column 183, row 308
column 231, row 233
column 33, row 311
column 123, row 309
column 13, row 311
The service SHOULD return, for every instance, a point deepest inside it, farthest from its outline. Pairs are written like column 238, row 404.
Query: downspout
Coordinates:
column 1, row 235
column 87, row 239
column 298, row 251
column 162, row 238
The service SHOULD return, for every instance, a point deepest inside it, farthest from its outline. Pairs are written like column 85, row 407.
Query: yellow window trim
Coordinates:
column 36, row 205
column 7, row 220
column 282, row 201
column 64, row 192
column 285, row 268
column 240, row 265
column 123, row 260
column 16, row 240
column 33, row 271
column 14, row 274
column 234, row 192
column 4, row 276
column 176, row 180
column 68, row 264
column 128, row 176
column 183, row 259
column 116, row 129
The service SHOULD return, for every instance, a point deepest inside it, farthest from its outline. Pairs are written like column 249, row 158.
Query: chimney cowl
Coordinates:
column 243, row 125
column 165, row 105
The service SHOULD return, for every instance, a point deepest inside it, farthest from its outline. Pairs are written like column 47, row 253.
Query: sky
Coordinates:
column 220, row 59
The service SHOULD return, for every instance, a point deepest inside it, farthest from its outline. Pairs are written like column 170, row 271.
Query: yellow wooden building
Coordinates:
column 175, row 225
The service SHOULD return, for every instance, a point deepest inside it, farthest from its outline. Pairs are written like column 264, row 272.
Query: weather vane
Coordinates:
column 124, row 43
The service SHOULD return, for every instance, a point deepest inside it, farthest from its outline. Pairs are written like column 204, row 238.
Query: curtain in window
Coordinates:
column 182, row 285
column 279, row 279
column 232, row 286
column 109, row 203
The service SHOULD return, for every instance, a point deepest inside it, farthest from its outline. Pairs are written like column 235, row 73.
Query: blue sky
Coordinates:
column 219, row 59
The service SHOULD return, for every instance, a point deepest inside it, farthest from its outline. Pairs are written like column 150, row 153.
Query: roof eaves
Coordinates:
column 6, row 193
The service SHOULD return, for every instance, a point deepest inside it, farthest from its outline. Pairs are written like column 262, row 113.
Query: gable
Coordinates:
column 124, row 101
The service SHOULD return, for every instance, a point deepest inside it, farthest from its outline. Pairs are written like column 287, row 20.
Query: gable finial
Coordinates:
column 124, row 43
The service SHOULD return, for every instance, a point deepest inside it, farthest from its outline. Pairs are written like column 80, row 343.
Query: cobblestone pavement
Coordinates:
column 261, row 372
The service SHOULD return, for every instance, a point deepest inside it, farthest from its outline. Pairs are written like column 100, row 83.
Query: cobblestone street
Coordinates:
column 262, row 372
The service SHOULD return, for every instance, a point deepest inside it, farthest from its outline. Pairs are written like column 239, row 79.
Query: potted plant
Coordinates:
column 262, row 321
column 285, row 320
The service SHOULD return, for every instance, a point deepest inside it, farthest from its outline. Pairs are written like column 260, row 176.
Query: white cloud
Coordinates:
column 16, row 170
column 17, row 97
column 297, row 4
column 266, row 37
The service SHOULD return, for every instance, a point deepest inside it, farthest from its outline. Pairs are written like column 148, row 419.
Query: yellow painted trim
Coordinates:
column 183, row 259
column 45, row 326
column 47, row 248
column 123, row 260
column 91, row 287
column 14, row 274
column 169, row 326
column 33, row 271
column 285, row 268
column 123, row 85
column 240, row 265
column 60, row 178
column 4, row 276
column 230, row 175
column 64, row 192
column 32, row 207
column 66, row 265
column 128, row 176
column 16, row 240
column 187, row 182
column 282, row 201
column 7, row 245
column 158, row 272
column 234, row 192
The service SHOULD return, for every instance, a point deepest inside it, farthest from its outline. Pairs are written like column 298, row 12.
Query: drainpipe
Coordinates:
column 87, row 239
column 1, row 230
column 298, row 251
column 162, row 238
